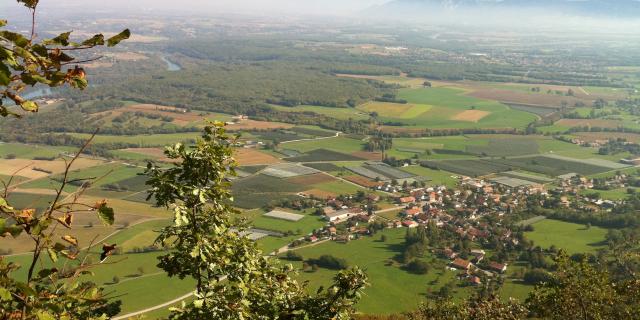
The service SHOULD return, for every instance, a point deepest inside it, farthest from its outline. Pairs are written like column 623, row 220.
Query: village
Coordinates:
column 473, row 212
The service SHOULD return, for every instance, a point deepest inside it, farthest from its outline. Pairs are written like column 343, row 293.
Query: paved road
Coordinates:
column 160, row 306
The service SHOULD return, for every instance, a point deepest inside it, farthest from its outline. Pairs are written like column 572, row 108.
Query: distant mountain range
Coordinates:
column 592, row 8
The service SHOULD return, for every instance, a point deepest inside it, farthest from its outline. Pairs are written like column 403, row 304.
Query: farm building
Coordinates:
column 343, row 215
column 284, row 215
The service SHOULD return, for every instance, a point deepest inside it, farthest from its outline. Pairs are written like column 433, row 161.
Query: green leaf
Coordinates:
column 5, row 74
column 43, row 315
column 96, row 40
column 118, row 38
column 3, row 23
column 62, row 39
column 4, row 206
column 5, row 295
column 106, row 215
column 14, row 231
column 29, row 106
column 18, row 39
column 52, row 254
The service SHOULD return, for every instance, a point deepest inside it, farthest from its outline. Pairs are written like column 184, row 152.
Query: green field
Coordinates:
column 143, row 140
column 136, row 292
column 104, row 174
column 338, row 144
column 434, row 177
column 406, row 289
column 574, row 238
column 436, row 108
column 337, row 113
column 24, row 151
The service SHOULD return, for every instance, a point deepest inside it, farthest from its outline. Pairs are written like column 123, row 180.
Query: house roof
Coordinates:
column 497, row 266
column 461, row 263
column 407, row 199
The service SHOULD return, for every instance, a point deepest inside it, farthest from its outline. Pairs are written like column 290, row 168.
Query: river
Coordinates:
column 170, row 65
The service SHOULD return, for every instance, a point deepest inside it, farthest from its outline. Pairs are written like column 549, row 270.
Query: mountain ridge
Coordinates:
column 591, row 8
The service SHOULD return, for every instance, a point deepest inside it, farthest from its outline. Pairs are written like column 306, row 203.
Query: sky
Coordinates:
column 317, row 7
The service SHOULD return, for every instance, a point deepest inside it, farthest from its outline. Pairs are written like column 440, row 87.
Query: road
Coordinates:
column 154, row 308
column 311, row 139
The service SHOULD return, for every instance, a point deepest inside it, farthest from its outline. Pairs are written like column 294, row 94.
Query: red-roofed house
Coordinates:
column 498, row 267
column 461, row 264
column 412, row 212
column 410, row 224
column 406, row 200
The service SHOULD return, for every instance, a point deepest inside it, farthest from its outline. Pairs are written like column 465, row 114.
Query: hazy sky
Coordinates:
column 321, row 7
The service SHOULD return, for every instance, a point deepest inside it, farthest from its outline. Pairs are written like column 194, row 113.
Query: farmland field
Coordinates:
column 395, row 110
column 320, row 155
column 338, row 113
column 252, row 157
column 387, row 280
column 142, row 141
column 338, row 144
column 472, row 168
column 574, row 238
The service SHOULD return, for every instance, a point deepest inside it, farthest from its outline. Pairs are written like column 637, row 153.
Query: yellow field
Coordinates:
column 395, row 110
column 9, row 167
column 471, row 115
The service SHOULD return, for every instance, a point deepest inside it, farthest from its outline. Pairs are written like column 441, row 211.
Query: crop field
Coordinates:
column 386, row 277
column 259, row 190
column 34, row 169
column 338, row 144
column 470, row 115
column 278, row 135
column 605, row 136
column 553, row 166
column 261, row 183
column 313, row 131
column 248, row 125
column 527, row 176
column 537, row 110
column 23, row 151
column 575, row 238
column 433, row 177
column 365, row 172
column 323, row 166
column 143, row 140
column 452, row 109
column 252, row 157
column 471, row 168
column 599, row 123
column 337, row 187
column 180, row 116
column 136, row 291
column 337, row 113
column 104, row 174
column 311, row 179
column 505, row 147
column 319, row 155
column 395, row 110
column 528, row 98
column 387, row 171
column 362, row 181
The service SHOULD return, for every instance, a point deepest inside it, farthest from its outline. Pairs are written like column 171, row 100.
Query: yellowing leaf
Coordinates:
column 70, row 239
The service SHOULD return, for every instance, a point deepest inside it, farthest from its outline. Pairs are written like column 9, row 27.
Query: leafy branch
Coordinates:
column 26, row 62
